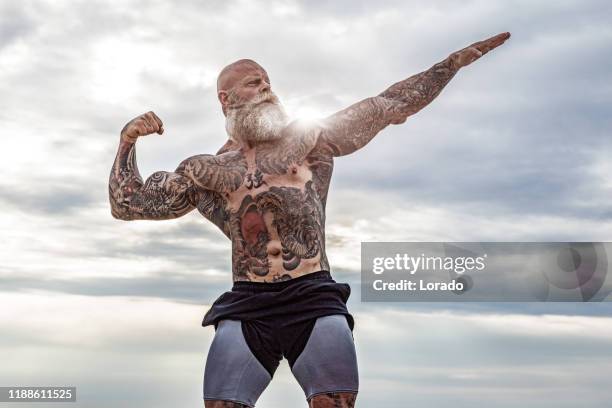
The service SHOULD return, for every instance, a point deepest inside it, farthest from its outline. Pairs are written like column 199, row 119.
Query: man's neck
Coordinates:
column 250, row 145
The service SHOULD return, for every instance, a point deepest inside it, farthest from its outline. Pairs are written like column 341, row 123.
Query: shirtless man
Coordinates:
column 266, row 190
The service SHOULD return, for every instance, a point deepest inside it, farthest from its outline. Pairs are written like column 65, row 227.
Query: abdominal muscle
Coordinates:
column 276, row 229
column 278, row 272
column 259, row 255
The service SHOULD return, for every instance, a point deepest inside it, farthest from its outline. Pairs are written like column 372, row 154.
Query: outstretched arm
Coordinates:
column 352, row 128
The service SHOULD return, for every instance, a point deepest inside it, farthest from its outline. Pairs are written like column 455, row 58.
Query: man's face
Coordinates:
column 254, row 113
column 246, row 84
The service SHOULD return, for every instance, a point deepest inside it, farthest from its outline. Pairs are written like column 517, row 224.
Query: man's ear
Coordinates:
column 222, row 95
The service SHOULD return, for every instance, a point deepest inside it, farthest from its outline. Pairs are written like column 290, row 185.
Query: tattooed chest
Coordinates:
column 276, row 225
column 275, row 219
column 256, row 180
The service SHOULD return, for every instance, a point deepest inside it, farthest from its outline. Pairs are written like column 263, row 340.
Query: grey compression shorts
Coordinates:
column 327, row 363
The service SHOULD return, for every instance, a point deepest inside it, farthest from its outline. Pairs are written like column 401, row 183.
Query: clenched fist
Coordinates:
column 472, row 52
column 142, row 125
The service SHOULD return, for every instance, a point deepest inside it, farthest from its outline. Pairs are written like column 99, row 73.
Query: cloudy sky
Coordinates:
column 516, row 148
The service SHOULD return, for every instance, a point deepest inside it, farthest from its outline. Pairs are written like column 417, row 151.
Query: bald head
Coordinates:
column 235, row 71
column 241, row 82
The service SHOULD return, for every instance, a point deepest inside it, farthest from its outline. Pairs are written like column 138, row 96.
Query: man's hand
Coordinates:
column 142, row 125
column 471, row 53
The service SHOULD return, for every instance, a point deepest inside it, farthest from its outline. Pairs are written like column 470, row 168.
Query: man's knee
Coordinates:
column 223, row 404
column 333, row 400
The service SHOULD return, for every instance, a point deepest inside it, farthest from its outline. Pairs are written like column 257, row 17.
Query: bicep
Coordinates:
column 164, row 195
column 352, row 128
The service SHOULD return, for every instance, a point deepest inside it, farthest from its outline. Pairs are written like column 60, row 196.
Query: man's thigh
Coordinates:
column 233, row 376
column 327, row 367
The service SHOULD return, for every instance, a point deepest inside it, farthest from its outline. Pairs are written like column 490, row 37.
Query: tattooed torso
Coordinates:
column 270, row 199
column 275, row 218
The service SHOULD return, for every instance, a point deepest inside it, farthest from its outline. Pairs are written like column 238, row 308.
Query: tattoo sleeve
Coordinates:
column 162, row 196
column 352, row 128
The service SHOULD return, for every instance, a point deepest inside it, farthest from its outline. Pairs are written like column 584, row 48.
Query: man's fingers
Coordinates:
column 151, row 123
column 490, row 43
column 158, row 121
column 472, row 52
column 147, row 124
column 155, row 121
column 496, row 40
column 141, row 129
column 474, row 55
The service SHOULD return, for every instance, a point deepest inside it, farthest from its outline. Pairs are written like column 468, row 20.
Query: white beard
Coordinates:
column 257, row 121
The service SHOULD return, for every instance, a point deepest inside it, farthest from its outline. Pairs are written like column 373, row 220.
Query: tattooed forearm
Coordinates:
column 354, row 127
column 413, row 94
column 163, row 196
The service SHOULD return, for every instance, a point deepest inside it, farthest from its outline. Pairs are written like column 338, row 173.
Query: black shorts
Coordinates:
column 278, row 318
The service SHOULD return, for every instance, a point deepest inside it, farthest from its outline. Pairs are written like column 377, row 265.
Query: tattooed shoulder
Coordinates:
column 298, row 140
column 221, row 173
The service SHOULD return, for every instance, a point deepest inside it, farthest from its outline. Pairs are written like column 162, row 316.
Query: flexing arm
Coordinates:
column 352, row 128
column 165, row 195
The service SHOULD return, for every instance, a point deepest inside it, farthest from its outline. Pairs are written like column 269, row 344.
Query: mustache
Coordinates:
column 264, row 97
column 269, row 97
